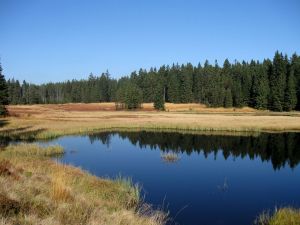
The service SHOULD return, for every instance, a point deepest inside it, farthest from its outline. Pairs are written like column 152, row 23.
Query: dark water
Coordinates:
column 217, row 180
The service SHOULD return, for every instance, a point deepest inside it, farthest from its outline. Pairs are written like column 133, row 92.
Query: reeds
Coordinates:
column 282, row 216
column 34, row 150
column 170, row 157
column 59, row 190
column 37, row 190
column 133, row 191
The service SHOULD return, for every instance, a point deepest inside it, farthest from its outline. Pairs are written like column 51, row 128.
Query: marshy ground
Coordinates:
column 46, row 121
column 36, row 190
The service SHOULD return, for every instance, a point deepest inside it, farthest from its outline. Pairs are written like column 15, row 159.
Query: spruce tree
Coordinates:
column 130, row 96
column 173, row 85
column 295, row 62
column 260, row 88
column 159, row 98
column 3, row 93
column 186, row 77
column 290, row 97
column 228, row 99
column 277, row 82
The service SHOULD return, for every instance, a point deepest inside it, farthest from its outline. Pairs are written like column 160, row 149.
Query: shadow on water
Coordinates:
column 281, row 148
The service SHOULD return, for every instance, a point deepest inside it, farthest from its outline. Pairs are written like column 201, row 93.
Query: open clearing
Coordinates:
column 46, row 121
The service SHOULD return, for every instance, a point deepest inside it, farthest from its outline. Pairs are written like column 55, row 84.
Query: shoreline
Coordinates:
column 43, row 191
column 51, row 121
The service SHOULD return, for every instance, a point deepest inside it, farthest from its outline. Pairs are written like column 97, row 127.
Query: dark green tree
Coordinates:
column 277, row 82
column 290, row 97
column 186, row 78
column 228, row 99
column 295, row 64
column 159, row 97
column 3, row 93
column 130, row 96
column 260, row 87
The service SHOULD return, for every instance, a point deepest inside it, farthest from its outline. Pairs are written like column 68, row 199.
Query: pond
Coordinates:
column 200, row 179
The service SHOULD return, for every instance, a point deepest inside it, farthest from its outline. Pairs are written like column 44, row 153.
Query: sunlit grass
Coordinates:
column 282, row 216
column 59, row 190
column 33, row 150
column 52, row 121
column 37, row 190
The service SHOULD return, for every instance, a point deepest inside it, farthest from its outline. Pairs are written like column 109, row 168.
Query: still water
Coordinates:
column 215, row 180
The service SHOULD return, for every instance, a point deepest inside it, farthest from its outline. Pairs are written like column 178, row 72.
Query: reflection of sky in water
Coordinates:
column 202, row 187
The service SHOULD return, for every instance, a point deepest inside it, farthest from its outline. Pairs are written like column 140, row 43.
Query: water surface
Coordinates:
column 216, row 180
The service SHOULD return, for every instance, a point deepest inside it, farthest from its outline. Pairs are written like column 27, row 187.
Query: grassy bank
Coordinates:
column 36, row 190
column 283, row 216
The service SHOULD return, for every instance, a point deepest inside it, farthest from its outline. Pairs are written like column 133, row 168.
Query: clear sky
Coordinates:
column 55, row 40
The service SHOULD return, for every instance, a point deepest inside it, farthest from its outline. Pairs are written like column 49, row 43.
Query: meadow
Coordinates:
column 50, row 121
column 36, row 189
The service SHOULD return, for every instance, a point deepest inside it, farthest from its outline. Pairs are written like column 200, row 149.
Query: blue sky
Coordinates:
column 55, row 40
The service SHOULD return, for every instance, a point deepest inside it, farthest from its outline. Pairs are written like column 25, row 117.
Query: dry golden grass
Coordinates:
column 49, row 121
column 282, row 216
column 38, row 190
column 33, row 150
column 110, row 106
column 59, row 190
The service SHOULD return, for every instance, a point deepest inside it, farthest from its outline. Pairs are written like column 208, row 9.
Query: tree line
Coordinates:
column 270, row 84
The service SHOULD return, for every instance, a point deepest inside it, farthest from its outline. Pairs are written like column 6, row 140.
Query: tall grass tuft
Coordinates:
column 46, row 192
column 282, row 216
column 132, row 190
column 170, row 157
column 59, row 190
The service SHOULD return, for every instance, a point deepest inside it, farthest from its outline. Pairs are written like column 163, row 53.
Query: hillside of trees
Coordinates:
column 271, row 84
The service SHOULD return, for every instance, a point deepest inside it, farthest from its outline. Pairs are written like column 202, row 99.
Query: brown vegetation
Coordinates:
column 110, row 106
column 49, row 121
column 50, row 193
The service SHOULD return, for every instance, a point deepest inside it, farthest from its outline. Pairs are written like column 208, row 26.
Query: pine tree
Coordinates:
column 295, row 62
column 173, row 85
column 228, row 99
column 260, row 87
column 159, row 101
column 130, row 96
column 290, row 97
column 277, row 82
column 3, row 93
column 186, row 76
column 246, row 83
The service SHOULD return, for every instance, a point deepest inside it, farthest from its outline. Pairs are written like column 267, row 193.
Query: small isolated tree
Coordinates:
column 3, row 93
column 130, row 96
column 159, row 99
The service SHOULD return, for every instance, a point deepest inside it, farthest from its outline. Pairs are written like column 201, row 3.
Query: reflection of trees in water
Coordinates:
column 280, row 149
column 104, row 138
